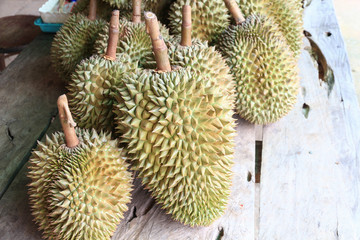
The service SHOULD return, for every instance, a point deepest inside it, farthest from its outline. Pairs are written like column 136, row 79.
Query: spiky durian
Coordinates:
column 80, row 192
column 203, row 60
column 209, row 18
column 93, row 81
column 103, row 9
column 147, row 5
column 90, row 90
column 264, row 68
column 179, row 130
column 74, row 42
column 287, row 14
column 133, row 41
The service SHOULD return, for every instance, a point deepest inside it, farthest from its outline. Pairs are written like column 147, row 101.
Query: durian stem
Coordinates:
column 186, row 26
column 67, row 122
column 113, row 36
column 235, row 11
column 92, row 10
column 159, row 46
column 136, row 15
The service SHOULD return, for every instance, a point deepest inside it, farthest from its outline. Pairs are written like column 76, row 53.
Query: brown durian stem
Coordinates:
column 136, row 15
column 186, row 26
column 159, row 46
column 235, row 11
column 113, row 36
column 67, row 122
column 92, row 10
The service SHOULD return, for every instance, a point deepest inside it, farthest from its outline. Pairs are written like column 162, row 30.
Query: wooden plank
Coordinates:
column 310, row 173
column 16, row 222
column 28, row 92
column 145, row 220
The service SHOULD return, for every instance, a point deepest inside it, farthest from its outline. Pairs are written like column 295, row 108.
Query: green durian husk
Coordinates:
column 74, row 42
column 287, row 14
column 179, row 132
column 133, row 41
column 80, row 192
column 103, row 10
column 147, row 5
column 204, row 60
column 264, row 68
column 209, row 18
column 90, row 90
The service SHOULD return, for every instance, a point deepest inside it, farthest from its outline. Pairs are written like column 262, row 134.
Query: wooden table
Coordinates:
column 310, row 168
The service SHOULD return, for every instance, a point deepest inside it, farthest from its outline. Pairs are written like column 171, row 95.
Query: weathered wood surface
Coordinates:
column 310, row 163
column 28, row 93
column 310, row 179
column 16, row 222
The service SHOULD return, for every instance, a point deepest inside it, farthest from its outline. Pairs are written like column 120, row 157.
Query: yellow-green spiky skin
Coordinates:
column 286, row 14
column 147, row 5
column 209, row 18
column 90, row 90
column 133, row 41
column 289, row 16
column 179, row 130
column 103, row 9
column 203, row 60
column 264, row 68
column 81, row 192
column 74, row 42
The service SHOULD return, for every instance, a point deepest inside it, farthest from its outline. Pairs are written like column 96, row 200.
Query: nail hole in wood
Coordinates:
column 305, row 110
column 328, row 34
column 249, row 176
column 258, row 160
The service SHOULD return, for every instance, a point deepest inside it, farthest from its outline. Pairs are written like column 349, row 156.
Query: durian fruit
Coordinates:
column 186, row 51
column 148, row 5
column 133, row 40
column 179, row 130
column 79, row 183
column 287, row 14
column 103, row 9
column 209, row 17
column 264, row 67
column 93, row 81
column 75, row 40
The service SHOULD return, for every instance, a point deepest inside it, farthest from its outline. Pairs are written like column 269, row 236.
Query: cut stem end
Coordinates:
column 235, row 11
column 67, row 122
column 159, row 46
column 186, row 26
column 113, row 36
column 136, row 17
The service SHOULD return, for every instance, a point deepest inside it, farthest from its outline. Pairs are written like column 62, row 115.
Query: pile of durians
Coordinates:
column 158, row 98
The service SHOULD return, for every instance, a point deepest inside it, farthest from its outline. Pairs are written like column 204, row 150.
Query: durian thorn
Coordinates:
column 136, row 14
column 67, row 122
column 186, row 26
column 235, row 11
column 159, row 46
column 92, row 10
column 113, row 36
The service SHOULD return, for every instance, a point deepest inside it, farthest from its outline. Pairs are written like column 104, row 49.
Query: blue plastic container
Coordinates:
column 48, row 27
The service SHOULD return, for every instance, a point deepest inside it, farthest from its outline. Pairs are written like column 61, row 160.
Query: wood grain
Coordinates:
column 28, row 92
column 310, row 172
column 16, row 221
